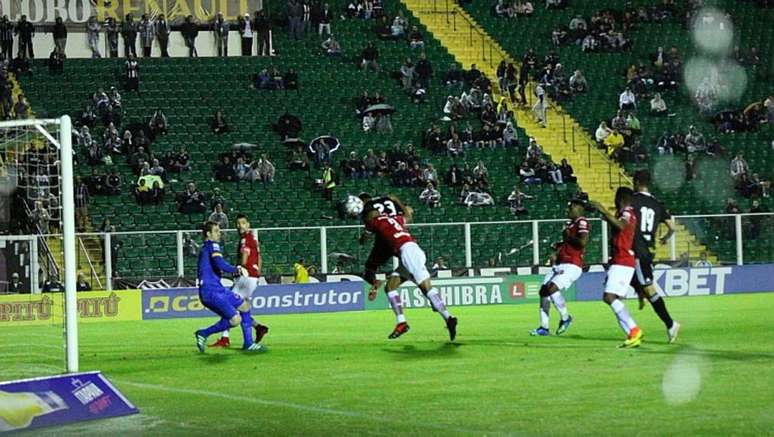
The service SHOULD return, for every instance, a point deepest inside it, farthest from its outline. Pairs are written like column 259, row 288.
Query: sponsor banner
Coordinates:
column 472, row 291
column 266, row 299
column 47, row 308
column 59, row 400
column 79, row 11
column 698, row 281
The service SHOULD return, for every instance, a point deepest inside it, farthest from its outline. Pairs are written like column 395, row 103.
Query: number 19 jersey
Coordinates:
column 650, row 213
column 391, row 230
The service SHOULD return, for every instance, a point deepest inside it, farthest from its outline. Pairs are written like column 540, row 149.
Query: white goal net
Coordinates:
column 38, row 307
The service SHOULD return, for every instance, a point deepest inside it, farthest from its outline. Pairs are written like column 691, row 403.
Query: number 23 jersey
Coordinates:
column 391, row 230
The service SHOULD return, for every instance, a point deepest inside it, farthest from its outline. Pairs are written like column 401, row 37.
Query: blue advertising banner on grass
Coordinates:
column 267, row 299
column 697, row 281
column 59, row 400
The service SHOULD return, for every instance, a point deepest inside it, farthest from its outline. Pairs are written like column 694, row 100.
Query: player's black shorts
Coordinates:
column 380, row 254
column 643, row 270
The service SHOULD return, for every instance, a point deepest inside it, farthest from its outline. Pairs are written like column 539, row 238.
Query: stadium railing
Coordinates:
column 739, row 239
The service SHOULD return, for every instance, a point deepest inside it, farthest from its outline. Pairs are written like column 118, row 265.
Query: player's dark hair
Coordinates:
column 241, row 216
column 365, row 197
column 641, row 178
column 623, row 195
column 207, row 227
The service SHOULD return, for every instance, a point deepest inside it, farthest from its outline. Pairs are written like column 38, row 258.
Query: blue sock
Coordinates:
column 220, row 326
column 247, row 328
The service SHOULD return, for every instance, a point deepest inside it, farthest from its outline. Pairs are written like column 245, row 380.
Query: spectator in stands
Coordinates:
column 191, row 200
column 295, row 14
column 218, row 123
column 325, row 20
column 299, row 160
column 369, row 58
column 290, row 79
column 52, row 285
column 528, row 175
column 220, row 29
column 82, row 200
column 163, row 30
column 92, row 36
column 332, row 46
column 266, row 170
column 147, row 30
column 416, row 40
column 658, row 105
column 113, row 182
column 328, row 181
column 614, row 142
column 407, row 74
column 554, row 174
column 129, row 33
column 626, row 100
column 219, row 217
column 567, row 172
column 158, row 123
column 424, row 71
column 516, row 201
column 430, row 196
column 578, row 83
column 132, row 73
column 6, row 37
column 739, row 166
column 262, row 25
column 217, row 198
column 112, row 30
column 190, row 246
column 40, row 217
column 245, row 171
column 26, row 32
column 81, row 284
column 245, row 28
column 703, row 261
column 15, row 286
column 60, row 36
column 694, row 141
column 190, row 30
column 55, row 63
column 478, row 197
column 21, row 109
column 454, row 146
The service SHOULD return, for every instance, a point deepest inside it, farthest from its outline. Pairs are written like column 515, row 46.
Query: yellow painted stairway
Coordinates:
column 597, row 175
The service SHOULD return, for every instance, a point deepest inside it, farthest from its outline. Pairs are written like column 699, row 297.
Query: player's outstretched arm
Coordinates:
column 222, row 264
column 609, row 217
column 408, row 212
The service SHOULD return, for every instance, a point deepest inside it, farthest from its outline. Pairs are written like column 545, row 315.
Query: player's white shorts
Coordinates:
column 563, row 275
column 244, row 286
column 618, row 280
column 412, row 263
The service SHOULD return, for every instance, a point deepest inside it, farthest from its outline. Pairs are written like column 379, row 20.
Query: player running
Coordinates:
column 567, row 268
column 249, row 254
column 621, row 269
column 386, row 218
column 650, row 214
column 232, row 309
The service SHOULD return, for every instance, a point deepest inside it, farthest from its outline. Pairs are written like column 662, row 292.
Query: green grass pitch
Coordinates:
column 337, row 374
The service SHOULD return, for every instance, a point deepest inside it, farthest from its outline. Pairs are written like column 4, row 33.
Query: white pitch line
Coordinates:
column 294, row 406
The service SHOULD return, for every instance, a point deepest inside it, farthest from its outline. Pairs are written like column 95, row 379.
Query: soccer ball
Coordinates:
column 353, row 206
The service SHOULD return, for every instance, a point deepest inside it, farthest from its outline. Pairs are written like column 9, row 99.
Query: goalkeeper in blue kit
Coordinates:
column 231, row 307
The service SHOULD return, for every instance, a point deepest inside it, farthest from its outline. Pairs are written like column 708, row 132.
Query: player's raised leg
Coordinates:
column 643, row 285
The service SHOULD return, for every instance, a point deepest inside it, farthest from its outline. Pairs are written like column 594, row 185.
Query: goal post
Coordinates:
column 39, row 164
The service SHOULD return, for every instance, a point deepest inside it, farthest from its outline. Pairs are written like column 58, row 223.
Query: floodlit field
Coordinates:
column 334, row 374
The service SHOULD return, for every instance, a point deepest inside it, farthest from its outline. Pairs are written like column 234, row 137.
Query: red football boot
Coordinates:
column 400, row 329
column 223, row 342
column 260, row 332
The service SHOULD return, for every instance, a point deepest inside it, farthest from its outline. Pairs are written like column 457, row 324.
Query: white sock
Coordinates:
column 224, row 334
column 560, row 304
column 624, row 319
column 437, row 302
column 397, row 306
column 545, row 307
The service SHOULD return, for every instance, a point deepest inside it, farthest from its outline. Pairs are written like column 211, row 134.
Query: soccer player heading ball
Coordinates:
column 385, row 218
column 249, row 255
column 567, row 268
column 231, row 307
column 621, row 269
